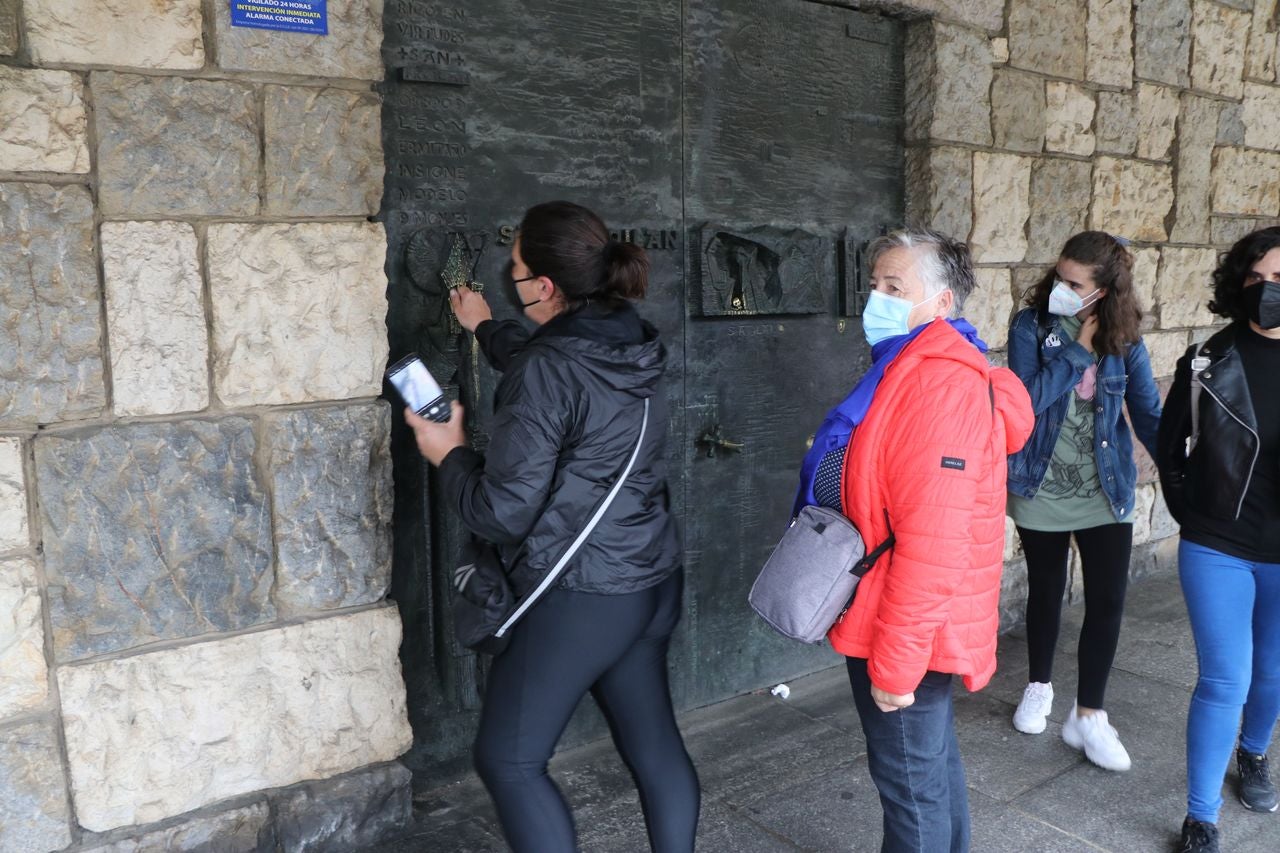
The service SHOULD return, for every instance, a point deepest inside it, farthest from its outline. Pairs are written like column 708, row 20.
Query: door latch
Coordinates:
column 714, row 438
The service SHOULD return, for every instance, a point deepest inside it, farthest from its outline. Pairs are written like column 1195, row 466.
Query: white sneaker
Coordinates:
column 1098, row 738
column 1037, row 701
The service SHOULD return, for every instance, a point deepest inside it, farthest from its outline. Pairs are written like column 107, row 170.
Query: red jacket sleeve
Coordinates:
column 935, row 457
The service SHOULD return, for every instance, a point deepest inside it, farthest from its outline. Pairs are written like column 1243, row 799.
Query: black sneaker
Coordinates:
column 1256, row 790
column 1197, row 837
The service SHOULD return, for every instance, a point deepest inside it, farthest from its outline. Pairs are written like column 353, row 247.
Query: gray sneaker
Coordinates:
column 1257, row 792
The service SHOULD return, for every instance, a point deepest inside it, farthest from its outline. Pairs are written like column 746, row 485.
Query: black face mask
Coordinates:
column 1262, row 303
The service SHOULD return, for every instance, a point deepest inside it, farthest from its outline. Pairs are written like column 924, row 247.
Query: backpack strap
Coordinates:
column 1199, row 363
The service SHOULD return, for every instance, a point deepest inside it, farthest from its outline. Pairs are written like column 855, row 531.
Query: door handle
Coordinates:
column 714, row 438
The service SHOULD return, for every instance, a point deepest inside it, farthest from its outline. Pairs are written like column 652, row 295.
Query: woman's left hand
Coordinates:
column 435, row 441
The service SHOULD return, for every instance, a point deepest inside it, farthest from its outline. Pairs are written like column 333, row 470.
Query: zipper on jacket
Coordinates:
column 1257, row 446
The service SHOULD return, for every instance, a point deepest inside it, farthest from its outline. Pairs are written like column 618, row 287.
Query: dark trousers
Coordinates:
column 1104, row 562
column 614, row 646
column 914, row 760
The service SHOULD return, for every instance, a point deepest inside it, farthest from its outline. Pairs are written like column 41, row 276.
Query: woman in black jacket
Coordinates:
column 567, row 419
column 1219, row 460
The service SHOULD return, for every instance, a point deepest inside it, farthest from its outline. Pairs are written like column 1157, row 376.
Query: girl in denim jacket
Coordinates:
column 1078, row 350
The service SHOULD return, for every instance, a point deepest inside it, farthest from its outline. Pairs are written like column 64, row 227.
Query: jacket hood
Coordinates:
column 616, row 345
column 1010, row 398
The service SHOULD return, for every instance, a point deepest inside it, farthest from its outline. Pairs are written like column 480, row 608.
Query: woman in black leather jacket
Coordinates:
column 1219, row 460
column 568, row 414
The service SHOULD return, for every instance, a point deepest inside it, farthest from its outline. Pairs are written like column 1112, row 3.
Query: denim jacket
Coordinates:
column 1050, row 373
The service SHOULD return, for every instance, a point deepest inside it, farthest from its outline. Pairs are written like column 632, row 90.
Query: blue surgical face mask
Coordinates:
column 1065, row 302
column 886, row 316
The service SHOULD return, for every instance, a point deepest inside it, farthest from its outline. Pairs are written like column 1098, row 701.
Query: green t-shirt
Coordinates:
column 1070, row 496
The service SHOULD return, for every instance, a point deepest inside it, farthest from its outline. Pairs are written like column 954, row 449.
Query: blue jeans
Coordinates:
column 1234, row 605
column 914, row 760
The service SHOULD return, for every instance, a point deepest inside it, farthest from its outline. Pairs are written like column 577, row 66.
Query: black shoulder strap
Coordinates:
column 868, row 560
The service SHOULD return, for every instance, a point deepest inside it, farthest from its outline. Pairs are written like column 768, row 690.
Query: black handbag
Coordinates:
column 485, row 606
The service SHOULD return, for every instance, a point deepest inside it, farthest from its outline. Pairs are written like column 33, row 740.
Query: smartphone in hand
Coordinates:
column 419, row 389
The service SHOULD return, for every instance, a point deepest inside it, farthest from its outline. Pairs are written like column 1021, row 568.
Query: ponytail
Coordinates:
column 570, row 245
column 626, row 270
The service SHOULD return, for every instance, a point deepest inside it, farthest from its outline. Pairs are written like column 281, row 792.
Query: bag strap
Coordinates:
column 1199, row 364
column 558, row 569
column 868, row 560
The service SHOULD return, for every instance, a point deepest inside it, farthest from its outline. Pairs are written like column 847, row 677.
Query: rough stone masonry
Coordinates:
column 196, row 651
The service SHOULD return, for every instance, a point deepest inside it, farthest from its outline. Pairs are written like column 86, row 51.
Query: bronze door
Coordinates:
column 751, row 146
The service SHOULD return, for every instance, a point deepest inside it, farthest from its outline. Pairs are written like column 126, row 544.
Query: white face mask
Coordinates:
column 1065, row 302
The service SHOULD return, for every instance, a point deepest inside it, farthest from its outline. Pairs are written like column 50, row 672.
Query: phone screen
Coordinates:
column 418, row 387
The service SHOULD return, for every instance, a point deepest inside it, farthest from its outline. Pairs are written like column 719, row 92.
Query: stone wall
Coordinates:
column 195, row 648
column 1157, row 120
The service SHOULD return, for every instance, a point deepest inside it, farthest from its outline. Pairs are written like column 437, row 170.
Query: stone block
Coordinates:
column 8, row 27
column 1162, row 41
column 13, row 497
column 1219, row 36
column 352, row 812
column 1018, row 110
column 1230, row 123
column 24, row 674
column 1109, row 43
column 1068, row 119
column 161, row 733
column 1117, row 123
column 990, row 306
column 153, row 531
column 200, row 157
column 1165, row 348
column 1060, row 192
column 984, row 14
column 353, row 49
column 331, row 499
column 1012, row 544
column 43, row 123
column 1227, row 230
column 1260, row 116
column 948, row 84
column 299, row 311
column 1131, row 198
column 1197, row 128
column 1048, row 37
column 1162, row 523
column 159, row 339
column 1001, row 206
column 1260, row 58
column 1157, row 120
column 247, row 829
column 35, row 814
column 1143, row 499
column 1145, row 264
column 1013, row 595
column 323, row 152
column 1025, row 280
column 999, row 51
column 51, row 350
column 131, row 33
column 1184, row 286
column 940, row 188
column 1246, row 181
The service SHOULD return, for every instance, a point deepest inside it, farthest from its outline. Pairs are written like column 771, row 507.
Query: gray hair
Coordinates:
column 943, row 263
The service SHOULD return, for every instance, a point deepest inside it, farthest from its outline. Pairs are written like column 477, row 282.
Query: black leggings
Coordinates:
column 616, row 647
column 1104, row 561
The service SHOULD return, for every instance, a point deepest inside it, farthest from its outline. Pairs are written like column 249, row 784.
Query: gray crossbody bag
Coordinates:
column 810, row 578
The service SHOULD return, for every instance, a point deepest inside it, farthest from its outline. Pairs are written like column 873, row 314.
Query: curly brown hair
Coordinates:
column 1118, row 313
column 1228, row 278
